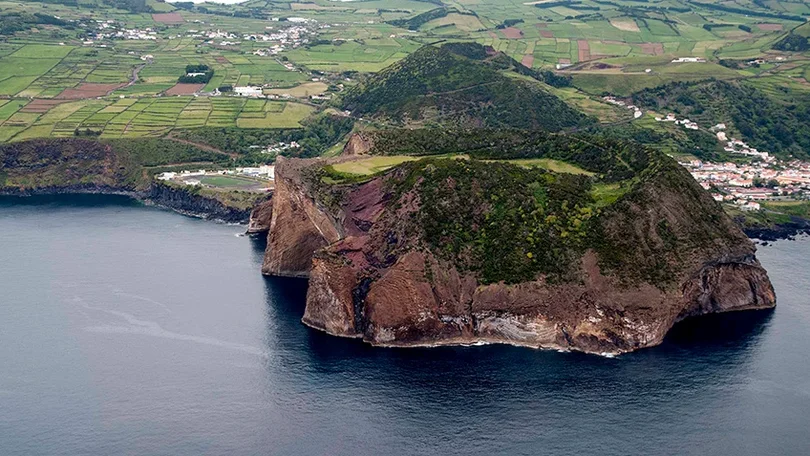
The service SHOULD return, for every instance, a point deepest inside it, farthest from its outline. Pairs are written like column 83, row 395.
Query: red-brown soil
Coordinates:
column 770, row 27
column 528, row 60
column 546, row 33
column 88, row 90
column 652, row 48
column 184, row 89
column 512, row 33
column 168, row 18
column 40, row 105
column 584, row 50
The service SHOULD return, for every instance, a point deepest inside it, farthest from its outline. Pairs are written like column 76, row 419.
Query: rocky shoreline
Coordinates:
column 787, row 231
column 180, row 200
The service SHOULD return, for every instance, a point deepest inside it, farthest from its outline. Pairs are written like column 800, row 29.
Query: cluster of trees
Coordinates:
column 134, row 6
column 60, row 2
column 743, row 27
column 779, row 126
column 612, row 157
column 417, row 21
column 500, row 221
column 548, row 5
column 508, row 23
column 315, row 138
column 197, row 74
column 745, row 11
column 86, row 133
column 793, row 43
column 11, row 23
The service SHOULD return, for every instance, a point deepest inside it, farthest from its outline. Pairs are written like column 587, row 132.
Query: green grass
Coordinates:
column 372, row 165
column 230, row 181
column 39, row 51
column 607, row 194
column 547, row 163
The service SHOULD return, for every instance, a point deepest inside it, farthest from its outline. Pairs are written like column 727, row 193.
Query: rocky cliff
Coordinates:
column 51, row 166
column 260, row 217
column 190, row 201
column 298, row 227
column 456, row 252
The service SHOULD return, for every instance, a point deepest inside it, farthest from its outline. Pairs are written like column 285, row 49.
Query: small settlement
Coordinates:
column 764, row 177
column 256, row 179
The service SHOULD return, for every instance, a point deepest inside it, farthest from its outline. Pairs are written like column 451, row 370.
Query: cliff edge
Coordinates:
column 459, row 251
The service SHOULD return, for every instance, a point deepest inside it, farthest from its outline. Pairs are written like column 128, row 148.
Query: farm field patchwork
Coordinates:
column 116, row 73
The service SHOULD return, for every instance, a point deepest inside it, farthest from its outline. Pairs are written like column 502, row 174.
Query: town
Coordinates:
column 744, row 185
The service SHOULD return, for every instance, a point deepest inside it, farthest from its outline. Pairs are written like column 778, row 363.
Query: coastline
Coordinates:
column 788, row 231
column 180, row 200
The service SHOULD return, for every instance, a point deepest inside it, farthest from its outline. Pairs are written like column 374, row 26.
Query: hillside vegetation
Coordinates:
column 121, row 164
column 778, row 126
column 613, row 160
column 506, row 222
column 438, row 85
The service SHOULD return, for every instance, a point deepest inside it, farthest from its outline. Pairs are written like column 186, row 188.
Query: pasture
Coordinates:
column 55, row 81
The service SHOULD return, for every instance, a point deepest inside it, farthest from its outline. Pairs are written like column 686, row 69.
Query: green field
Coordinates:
column 371, row 165
column 230, row 182
column 374, row 165
column 124, row 87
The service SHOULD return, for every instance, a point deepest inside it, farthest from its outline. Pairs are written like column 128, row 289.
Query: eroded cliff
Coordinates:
column 52, row 166
column 430, row 254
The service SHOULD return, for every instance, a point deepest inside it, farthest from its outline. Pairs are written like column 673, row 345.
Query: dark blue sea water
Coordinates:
column 128, row 330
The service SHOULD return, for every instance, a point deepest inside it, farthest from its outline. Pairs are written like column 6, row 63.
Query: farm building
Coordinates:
column 248, row 91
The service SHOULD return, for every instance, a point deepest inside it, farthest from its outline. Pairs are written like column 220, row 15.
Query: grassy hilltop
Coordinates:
column 461, row 85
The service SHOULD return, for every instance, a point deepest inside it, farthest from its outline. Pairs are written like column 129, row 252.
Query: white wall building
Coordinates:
column 248, row 91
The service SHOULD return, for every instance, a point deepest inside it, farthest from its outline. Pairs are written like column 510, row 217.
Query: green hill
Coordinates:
column 478, row 88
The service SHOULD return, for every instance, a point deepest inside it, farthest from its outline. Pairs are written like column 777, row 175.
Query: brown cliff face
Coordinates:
column 298, row 227
column 358, row 144
column 370, row 277
column 260, row 217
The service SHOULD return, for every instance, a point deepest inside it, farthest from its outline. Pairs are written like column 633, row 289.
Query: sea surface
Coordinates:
column 131, row 330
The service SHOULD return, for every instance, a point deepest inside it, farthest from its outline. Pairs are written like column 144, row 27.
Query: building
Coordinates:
column 248, row 91
column 688, row 60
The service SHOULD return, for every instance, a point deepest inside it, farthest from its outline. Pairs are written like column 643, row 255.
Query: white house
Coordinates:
column 248, row 91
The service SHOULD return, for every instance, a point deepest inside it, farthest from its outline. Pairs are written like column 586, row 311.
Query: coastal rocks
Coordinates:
column 72, row 165
column 297, row 228
column 260, row 217
column 185, row 200
column 371, row 278
column 414, row 306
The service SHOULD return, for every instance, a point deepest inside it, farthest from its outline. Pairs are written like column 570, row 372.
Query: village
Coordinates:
column 282, row 35
column 745, row 185
column 742, row 184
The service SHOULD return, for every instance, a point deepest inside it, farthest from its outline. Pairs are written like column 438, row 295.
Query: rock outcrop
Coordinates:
column 189, row 202
column 62, row 166
column 298, row 226
column 358, row 144
column 664, row 251
column 260, row 217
